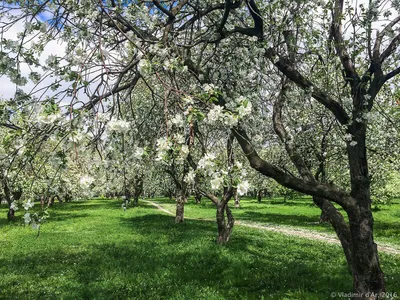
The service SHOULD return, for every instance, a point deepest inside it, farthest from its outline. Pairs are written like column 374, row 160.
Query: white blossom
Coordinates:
column 184, row 151
column 118, row 126
column 14, row 206
column 206, row 162
column 27, row 218
column 103, row 117
column 190, row 177
column 77, row 137
column 49, row 119
column 27, row 204
column 144, row 66
column 243, row 187
column 215, row 114
column 216, row 182
column 244, row 109
column 86, row 181
column 353, row 143
column 238, row 164
column 209, row 88
column 230, row 120
column 178, row 121
column 348, row 137
column 138, row 153
column 188, row 100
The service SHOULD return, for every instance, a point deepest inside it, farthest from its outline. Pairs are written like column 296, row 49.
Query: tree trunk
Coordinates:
column 180, row 209
column 237, row 200
column 197, row 197
column 339, row 225
column 224, row 228
column 136, row 200
column 367, row 274
column 10, row 214
column 323, row 218
column 259, row 196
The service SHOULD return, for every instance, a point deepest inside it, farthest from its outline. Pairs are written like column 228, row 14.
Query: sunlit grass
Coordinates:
column 95, row 250
column 299, row 213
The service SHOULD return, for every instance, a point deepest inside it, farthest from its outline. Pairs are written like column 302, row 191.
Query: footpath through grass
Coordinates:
column 298, row 213
column 95, row 250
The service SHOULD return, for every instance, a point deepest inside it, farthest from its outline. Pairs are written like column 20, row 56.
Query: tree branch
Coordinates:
column 310, row 188
column 285, row 67
column 336, row 31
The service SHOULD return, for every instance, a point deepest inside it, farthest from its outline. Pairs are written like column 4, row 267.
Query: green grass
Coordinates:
column 95, row 250
column 299, row 213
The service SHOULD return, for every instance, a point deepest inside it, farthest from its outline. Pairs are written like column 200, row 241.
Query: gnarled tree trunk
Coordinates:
column 180, row 207
column 323, row 217
column 259, row 195
column 225, row 225
column 197, row 197
column 237, row 200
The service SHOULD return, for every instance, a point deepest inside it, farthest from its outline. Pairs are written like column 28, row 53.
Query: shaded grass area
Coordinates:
column 95, row 250
column 299, row 213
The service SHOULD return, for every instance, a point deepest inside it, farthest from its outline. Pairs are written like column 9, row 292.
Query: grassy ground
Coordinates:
column 299, row 213
column 95, row 250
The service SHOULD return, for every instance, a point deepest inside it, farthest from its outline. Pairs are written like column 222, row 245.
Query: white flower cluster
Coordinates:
column 14, row 206
column 139, row 152
column 163, row 146
column 184, row 151
column 77, row 137
column 144, row 66
column 243, row 187
column 190, row 177
column 217, row 181
column 217, row 114
column 178, row 121
column 209, row 88
column 27, row 218
column 188, row 100
column 349, row 138
column 244, row 109
column 118, row 125
column 207, row 163
column 49, row 119
column 103, row 117
column 27, row 204
column 86, row 181
column 179, row 138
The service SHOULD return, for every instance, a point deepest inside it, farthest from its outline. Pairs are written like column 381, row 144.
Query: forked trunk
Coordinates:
column 224, row 226
column 339, row 225
column 323, row 218
column 180, row 209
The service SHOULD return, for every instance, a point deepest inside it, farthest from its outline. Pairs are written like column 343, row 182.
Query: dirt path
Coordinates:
column 302, row 233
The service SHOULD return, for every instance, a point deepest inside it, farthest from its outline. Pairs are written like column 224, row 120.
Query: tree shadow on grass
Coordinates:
column 279, row 219
column 162, row 260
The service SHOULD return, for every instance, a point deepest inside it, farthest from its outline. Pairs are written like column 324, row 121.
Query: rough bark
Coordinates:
column 180, row 208
column 323, row 218
column 237, row 200
column 259, row 195
column 225, row 225
column 368, row 276
column 197, row 197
